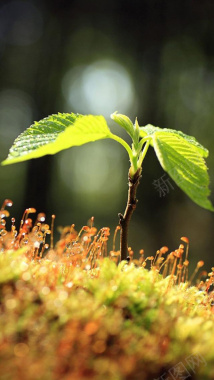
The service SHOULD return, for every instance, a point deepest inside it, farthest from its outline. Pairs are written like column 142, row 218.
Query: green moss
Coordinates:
column 110, row 323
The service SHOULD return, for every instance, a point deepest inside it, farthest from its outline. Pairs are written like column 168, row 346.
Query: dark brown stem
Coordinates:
column 130, row 207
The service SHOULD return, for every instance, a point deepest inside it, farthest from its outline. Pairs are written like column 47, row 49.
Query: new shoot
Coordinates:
column 180, row 155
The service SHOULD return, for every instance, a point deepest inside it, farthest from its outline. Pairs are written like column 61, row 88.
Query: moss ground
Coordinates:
column 111, row 322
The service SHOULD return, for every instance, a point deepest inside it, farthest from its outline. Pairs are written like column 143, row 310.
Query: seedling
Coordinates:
column 180, row 155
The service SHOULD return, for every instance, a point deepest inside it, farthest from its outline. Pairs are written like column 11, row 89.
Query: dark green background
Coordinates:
column 165, row 49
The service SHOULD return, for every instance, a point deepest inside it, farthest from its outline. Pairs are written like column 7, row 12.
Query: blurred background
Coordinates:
column 147, row 58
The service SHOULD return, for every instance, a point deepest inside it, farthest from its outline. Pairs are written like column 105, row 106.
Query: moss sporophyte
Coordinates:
column 180, row 155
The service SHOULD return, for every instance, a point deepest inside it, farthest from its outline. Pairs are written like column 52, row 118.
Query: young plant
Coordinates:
column 180, row 155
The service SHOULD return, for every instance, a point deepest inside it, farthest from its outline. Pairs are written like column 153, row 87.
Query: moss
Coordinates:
column 112, row 322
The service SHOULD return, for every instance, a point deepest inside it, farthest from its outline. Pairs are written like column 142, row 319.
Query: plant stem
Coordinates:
column 126, row 146
column 124, row 220
column 143, row 153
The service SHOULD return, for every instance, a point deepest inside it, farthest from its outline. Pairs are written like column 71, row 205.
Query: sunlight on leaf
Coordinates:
column 181, row 156
column 56, row 133
column 149, row 130
column 185, row 165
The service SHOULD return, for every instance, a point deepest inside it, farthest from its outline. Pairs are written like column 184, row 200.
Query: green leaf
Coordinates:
column 56, row 133
column 149, row 130
column 124, row 122
column 182, row 158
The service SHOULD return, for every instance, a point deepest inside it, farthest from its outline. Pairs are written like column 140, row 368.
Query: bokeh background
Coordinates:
column 153, row 59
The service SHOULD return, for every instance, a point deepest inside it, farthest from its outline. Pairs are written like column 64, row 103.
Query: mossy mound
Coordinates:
column 109, row 323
